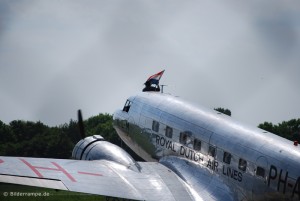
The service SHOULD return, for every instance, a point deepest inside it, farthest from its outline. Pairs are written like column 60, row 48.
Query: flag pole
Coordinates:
column 162, row 88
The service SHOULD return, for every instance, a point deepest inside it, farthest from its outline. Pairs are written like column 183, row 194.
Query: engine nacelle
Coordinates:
column 96, row 148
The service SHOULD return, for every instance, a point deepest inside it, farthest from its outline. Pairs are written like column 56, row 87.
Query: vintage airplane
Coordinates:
column 192, row 153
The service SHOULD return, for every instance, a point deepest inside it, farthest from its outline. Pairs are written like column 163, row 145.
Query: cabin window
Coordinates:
column 183, row 137
column 127, row 106
column 169, row 132
column 227, row 157
column 260, row 172
column 212, row 151
column 242, row 164
column 197, row 145
column 155, row 126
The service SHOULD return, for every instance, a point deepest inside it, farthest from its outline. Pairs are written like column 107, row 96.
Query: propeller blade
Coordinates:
column 80, row 125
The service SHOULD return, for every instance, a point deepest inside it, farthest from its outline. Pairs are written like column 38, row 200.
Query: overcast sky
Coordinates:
column 59, row 56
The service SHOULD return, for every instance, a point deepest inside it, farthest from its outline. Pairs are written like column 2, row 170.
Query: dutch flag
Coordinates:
column 154, row 79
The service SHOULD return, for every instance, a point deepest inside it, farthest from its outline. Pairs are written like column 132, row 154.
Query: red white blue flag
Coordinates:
column 154, row 79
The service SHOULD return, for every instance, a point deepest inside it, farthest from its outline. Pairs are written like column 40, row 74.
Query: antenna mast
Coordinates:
column 162, row 87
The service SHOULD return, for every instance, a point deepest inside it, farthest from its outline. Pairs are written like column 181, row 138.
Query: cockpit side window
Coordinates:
column 127, row 106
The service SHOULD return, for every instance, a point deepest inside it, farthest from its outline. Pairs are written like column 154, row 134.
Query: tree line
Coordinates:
column 286, row 129
column 35, row 139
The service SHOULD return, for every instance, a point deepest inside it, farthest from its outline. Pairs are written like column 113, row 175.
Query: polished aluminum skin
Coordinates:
column 102, row 177
column 96, row 148
column 249, row 163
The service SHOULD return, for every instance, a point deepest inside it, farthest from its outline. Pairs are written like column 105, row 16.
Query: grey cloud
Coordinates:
column 58, row 56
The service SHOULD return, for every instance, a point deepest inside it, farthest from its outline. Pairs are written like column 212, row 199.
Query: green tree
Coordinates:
column 287, row 129
column 223, row 110
column 5, row 133
column 26, row 130
column 102, row 125
column 34, row 139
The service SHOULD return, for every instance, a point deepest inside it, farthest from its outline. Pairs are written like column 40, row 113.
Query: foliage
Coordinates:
column 223, row 110
column 102, row 125
column 287, row 129
column 34, row 139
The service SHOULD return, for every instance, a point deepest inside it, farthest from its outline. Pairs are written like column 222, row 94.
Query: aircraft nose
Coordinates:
column 117, row 115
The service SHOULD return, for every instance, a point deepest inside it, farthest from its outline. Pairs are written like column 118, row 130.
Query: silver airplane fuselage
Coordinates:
column 254, row 164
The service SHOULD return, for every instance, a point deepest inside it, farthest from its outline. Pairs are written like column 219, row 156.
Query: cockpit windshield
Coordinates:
column 127, row 106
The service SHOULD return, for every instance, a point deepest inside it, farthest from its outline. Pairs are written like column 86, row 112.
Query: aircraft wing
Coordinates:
column 154, row 181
